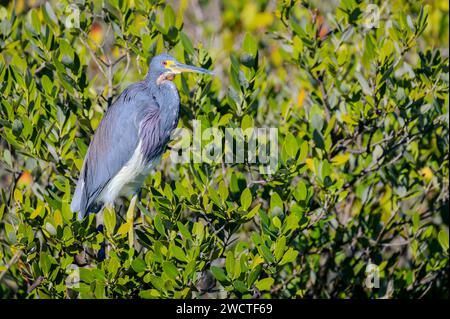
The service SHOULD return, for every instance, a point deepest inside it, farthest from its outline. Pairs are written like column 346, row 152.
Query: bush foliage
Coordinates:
column 362, row 175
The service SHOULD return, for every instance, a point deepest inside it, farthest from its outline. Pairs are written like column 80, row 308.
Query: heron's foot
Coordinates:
column 101, row 254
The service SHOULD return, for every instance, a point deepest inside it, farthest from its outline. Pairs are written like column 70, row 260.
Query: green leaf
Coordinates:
column 254, row 274
column 340, row 159
column 18, row 196
column 300, row 192
column 247, row 122
column 49, row 14
column 325, row 170
column 138, row 265
column 266, row 253
column 240, row 286
column 280, row 245
column 35, row 21
column 370, row 50
column 291, row 223
column 178, row 253
column 109, row 219
column 253, row 212
column 7, row 157
column 246, row 199
column 276, row 204
column 170, row 269
column 219, row 274
column 187, row 44
column 304, row 149
column 289, row 256
column 291, row 145
column 169, row 17
column 443, row 239
column 223, row 191
column 184, row 231
column 157, row 282
column 86, row 275
column 198, row 230
column 229, row 264
column 276, row 222
column 2, row 211
column 45, row 262
column 250, row 45
column 367, row 90
column 149, row 294
column 264, row 284
column 159, row 225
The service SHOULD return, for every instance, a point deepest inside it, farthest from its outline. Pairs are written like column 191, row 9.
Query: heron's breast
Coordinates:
column 129, row 178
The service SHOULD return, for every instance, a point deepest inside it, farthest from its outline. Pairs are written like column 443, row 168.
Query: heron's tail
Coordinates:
column 75, row 205
column 78, row 205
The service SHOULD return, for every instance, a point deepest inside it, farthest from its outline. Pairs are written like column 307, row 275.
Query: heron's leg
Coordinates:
column 101, row 255
column 130, row 221
column 139, row 196
column 99, row 220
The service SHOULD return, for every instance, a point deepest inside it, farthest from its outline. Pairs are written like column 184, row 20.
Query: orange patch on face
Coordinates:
column 165, row 77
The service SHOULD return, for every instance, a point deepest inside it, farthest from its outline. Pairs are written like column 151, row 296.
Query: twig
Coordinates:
column 40, row 68
column 35, row 284
column 94, row 56
column 13, row 260
column 325, row 98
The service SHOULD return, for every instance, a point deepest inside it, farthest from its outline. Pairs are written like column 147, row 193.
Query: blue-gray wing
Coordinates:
column 113, row 144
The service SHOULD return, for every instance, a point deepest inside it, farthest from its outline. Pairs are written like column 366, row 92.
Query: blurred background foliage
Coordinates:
column 362, row 176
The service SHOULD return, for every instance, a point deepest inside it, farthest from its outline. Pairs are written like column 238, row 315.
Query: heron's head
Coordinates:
column 164, row 67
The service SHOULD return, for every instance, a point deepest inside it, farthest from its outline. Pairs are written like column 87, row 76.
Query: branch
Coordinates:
column 13, row 260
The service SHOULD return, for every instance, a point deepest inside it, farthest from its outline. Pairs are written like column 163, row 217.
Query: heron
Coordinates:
column 130, row 139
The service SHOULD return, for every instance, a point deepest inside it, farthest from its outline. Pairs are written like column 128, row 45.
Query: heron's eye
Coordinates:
column 164, row 63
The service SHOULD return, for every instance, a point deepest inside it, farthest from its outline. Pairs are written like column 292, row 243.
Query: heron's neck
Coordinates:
column 169, row 103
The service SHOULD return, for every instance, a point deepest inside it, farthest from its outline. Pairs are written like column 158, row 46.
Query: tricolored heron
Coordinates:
column 131, row 138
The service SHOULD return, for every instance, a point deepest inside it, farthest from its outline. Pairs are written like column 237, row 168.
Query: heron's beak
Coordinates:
column 178, row 67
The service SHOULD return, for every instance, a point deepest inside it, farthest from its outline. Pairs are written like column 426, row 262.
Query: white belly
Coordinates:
column 129, row 179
